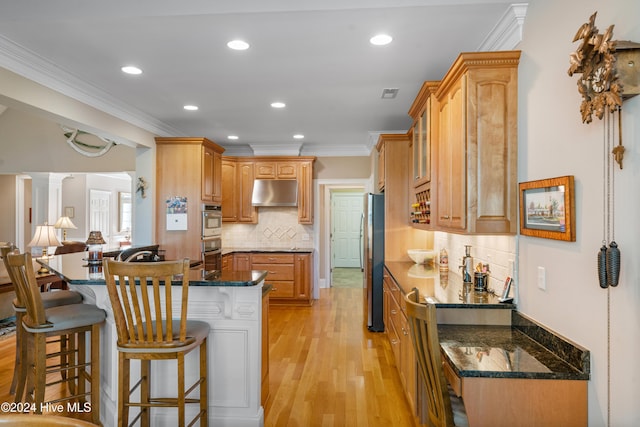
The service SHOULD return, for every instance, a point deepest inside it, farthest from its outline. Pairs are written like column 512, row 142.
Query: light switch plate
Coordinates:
column 542, row 280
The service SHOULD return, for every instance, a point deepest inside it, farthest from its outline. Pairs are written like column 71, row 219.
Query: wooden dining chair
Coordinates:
column 65, row 320
column 445, row 409
column 142, row 301
column 49, row 299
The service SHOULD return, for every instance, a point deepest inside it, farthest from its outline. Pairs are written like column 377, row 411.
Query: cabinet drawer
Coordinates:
column 276, row 271
column 281, row 289
column 452, row 378
column 272, row 258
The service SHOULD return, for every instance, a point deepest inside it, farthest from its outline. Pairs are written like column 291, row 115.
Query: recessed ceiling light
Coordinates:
column 278, row 104
column 232, row 137
column 130, row 69
column 238, row 45
column 380, row 39
column 298, row 136
column 191, row 107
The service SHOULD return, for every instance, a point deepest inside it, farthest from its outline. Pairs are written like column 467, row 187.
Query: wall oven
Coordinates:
column 211, row 221
column 212, row 253
column 211, row 237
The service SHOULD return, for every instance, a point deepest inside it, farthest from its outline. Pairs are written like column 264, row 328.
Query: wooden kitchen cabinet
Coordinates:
column 276, row 170
column 189, row 168
column 397, row 329
column 240, row 172
column 476, row 148
column 381, row 169
column 242, row 261
column 227, row 262
column 290, row 275
column 237, row 187
column 424, row 112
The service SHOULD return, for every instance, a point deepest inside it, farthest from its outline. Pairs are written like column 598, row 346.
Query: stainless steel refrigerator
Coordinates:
column 373, row 259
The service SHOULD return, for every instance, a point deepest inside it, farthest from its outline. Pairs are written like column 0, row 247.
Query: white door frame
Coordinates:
column 324, row 251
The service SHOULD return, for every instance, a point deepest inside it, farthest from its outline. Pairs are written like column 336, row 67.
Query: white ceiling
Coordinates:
column 314, row 55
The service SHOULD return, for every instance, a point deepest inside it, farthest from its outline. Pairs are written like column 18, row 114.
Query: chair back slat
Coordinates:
column 24, row 281
column 5, row 250
column 141, row 296
column 424, row 335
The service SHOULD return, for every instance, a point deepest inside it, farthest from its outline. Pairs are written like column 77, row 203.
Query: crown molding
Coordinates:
column 507, row 33
column 31, row 66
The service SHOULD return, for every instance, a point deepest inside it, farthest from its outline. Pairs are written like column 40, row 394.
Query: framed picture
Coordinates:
column 69, row 211
column 547, row 208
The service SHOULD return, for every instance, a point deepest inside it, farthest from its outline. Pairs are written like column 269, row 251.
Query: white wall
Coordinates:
column 553, row 141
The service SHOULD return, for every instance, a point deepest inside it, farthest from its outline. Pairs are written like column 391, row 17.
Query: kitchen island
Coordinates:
column 231, row 302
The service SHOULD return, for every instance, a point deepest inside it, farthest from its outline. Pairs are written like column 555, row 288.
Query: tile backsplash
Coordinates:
column 277, row 227
column 498, row 251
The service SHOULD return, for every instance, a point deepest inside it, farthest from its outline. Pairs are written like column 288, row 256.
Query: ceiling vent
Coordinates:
column 389, row 93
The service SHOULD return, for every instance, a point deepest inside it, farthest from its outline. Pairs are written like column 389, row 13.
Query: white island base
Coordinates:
column 234, row 353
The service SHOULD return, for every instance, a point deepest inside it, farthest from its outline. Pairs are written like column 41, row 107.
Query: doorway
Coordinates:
column 346, row 237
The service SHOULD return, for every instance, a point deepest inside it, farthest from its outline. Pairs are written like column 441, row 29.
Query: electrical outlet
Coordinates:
column 542, row 280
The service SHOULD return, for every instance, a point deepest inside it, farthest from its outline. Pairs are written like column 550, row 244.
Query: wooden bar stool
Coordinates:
column 49, row 299
column 72, row 319
column 445, row 409
column 141, row 297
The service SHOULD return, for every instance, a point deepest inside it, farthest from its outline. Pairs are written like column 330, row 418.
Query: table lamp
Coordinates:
column 44, row 237
column 64, row 222
column 94, row 245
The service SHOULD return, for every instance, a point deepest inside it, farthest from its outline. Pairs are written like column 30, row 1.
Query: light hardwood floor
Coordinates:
column 326, row 368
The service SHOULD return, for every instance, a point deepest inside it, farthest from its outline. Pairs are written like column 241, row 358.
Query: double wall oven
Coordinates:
column 211, row 237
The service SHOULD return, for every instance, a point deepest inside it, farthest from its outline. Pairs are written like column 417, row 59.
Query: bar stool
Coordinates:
column 141, row 297
column 38, row 324
column 49, row 299
column 445, row 409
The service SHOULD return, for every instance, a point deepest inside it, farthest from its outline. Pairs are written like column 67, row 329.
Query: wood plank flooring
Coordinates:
column 326, row 368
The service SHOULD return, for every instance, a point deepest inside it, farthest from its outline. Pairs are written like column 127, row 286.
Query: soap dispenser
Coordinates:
column 467, row 265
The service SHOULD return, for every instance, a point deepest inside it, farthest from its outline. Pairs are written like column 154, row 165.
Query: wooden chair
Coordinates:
column 445, row 409
column 28, row 420
column 142, row 308
column 65, row 320
column 49, row 299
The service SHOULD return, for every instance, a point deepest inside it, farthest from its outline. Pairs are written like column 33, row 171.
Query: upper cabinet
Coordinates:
column 188, row 168
column 476, row 147
column 423, row 111
column 239, row 173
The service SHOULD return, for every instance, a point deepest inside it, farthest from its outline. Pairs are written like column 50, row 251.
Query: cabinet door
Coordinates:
column 287, row 170
column 451, row 194
column 208, row 168
column 381, row 161
column 241, row 262
column 217, row 177
column 305, row 193
column 229, row 192
column 302, row 276
column 265, row 170
column 246, row 212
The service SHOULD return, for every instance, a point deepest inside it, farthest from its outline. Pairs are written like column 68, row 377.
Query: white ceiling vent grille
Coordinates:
column 389, row 93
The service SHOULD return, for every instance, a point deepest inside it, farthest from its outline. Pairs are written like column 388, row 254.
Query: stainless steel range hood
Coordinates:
column 275, row 192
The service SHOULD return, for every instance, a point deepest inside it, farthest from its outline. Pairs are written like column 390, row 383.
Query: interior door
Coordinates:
column 99, row 209
column 346, row 212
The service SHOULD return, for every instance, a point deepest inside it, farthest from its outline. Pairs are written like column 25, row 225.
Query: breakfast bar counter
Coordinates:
column 232, row 305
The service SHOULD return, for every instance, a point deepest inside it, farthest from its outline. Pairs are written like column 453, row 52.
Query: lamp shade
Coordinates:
column 64, row 222
column 95, row 238
column 44, row 237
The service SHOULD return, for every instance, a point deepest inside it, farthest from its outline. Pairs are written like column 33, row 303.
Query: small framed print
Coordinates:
column 547, row 209
column 505, row 291
column 69, row 211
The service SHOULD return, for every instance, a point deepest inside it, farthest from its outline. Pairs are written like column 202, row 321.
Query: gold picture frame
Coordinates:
column 547, row 208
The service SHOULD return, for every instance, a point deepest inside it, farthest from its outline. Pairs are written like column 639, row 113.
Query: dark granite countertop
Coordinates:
column 502, row 352
column 226, row 251
column 446, row 289
column 73, row 269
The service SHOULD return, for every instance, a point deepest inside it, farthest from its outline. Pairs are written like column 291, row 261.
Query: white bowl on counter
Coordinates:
column 421, row 256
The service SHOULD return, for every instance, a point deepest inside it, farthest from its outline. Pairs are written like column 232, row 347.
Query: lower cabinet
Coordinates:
column 289, row 274
column 397, row 329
